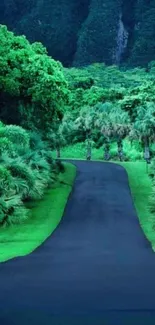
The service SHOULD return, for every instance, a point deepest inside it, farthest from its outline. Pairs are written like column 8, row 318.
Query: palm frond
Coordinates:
column 20, row 187
column 18, row 168
column 12, row 210
column 16, row 134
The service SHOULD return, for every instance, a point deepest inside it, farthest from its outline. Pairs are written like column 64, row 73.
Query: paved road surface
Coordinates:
column 96, row 269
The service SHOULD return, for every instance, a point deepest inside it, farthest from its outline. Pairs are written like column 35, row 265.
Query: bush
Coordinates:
column 12, row 210
column 25, row 171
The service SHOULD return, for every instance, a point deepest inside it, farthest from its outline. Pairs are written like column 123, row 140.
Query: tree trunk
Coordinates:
column 58, row 152
column 120, row 149
column 106, row 151
column 88, row 154
column 146, row 149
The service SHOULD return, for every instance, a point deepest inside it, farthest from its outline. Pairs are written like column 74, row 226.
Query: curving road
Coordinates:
column 97, row 268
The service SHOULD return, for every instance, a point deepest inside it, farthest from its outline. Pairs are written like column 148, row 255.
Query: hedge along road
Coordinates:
column 97, row 268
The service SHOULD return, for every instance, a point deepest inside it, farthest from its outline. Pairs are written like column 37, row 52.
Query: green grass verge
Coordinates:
column 139, row 181
column 22, row 239
column 132, row 152
column 141, row 186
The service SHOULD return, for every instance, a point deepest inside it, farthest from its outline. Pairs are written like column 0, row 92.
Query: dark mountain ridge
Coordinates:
column 80, row 32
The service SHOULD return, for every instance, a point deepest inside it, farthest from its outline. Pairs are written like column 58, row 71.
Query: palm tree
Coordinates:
column 67, row 129
column 102, row 112
column 115, row 126
column 89, row 124
column 88, row 142
column 144, row 127
column 106, row 149
column 55, row 136
column 85, row 124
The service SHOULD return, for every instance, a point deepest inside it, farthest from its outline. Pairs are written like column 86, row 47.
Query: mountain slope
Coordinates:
column 79, row 32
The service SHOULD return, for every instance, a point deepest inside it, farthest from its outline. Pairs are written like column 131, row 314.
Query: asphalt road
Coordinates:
column 97, row 268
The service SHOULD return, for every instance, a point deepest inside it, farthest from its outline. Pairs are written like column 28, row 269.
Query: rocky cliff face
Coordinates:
column 97, row 39
column 79, row 32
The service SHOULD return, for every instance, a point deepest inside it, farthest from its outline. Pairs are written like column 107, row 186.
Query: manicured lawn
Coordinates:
column 22, row 239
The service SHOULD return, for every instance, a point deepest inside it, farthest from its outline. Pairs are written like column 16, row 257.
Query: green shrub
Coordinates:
column 15, row 134
column 27, row 168
column 20, row 169
column 12, row 210
column 5, row 180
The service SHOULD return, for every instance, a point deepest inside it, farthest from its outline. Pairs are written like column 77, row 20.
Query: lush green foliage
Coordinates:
column 86, row 31
column 131, row 91
column 32, row 85
column 140, row 185
column 132, row 151
column 93, row 112
column 46, row 213
column 26, row 169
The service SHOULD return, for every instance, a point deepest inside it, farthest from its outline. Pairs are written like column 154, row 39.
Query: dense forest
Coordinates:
column 87, row 31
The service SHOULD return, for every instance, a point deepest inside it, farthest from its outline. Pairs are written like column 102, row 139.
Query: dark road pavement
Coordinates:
column 97, row 268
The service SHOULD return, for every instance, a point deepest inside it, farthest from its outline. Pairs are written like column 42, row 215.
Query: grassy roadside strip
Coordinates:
column 141, row 186
column 22, row 239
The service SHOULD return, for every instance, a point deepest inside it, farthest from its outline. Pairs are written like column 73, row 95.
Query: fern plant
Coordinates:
column 27, row 168
column 5, row 180
column 12, row 210
column 20, row 187
column 15, row 134
column 20, row 169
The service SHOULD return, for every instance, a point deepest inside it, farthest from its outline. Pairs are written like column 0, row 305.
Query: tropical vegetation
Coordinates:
column 91, row 112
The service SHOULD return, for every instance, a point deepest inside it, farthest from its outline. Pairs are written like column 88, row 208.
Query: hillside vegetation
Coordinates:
column 81, row 32
column 46, row 108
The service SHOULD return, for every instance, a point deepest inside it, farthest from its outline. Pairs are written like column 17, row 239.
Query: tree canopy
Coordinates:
column 32, row 84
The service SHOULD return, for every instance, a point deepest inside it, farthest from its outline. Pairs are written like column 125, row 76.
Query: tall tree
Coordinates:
column 33, row 89
column 144, row 127
column 56, row 138
column 85, row 124
column 116, row 126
